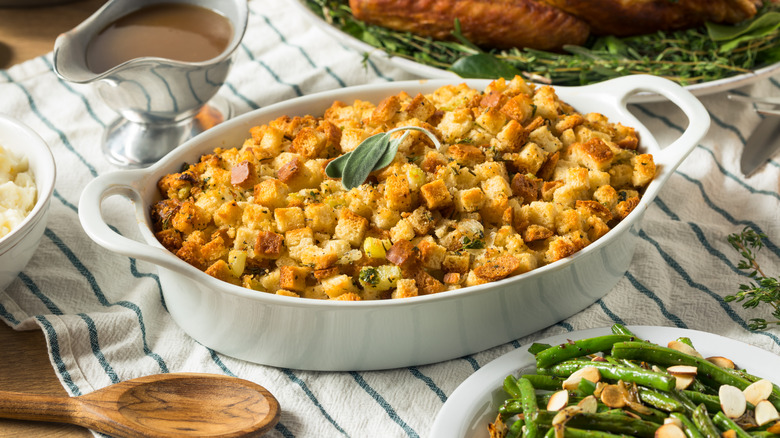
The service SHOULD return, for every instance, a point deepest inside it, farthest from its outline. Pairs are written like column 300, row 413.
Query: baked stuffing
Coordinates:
column 519, row 181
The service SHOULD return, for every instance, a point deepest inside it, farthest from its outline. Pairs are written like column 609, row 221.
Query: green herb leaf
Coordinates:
column 392, row 149
column 483, row 66
column 335, row 169
column 759, row 26
column 374, row 153
column 362, row 160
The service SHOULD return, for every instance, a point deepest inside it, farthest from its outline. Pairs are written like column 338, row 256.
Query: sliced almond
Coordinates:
column 589, row 405
column 682, row 369
column 722, row 362
column 558, row 401
column 731, row 433
column 613, row 397
column 766, row 412
column 669, row 430
column 564, row 415
column 684, row 348
column 732, row 401
column 758, row 391
column 589, row 373
column 775, row 428
column 682, row 381
column 673, row 420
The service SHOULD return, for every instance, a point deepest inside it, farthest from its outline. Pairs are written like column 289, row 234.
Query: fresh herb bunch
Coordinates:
column 687, row 56
column 764, row 289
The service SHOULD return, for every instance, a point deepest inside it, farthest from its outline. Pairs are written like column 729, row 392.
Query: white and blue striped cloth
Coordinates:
column 104, row 319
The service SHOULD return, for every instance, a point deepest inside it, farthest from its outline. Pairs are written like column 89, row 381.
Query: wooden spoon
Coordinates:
column 161, row 405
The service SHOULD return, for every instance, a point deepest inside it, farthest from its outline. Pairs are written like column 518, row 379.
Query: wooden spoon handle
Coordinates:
column 25, row 406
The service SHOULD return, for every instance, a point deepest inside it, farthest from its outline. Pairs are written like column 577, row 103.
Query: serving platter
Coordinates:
column 427, row 71
column 475, row 402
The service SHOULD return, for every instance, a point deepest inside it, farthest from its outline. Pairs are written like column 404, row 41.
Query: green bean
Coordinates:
column 511, row 406
column 510, row 387
column 579, row 433
column 690, row 429
column 640, row 376
column 550, row 433
column 725, row 423
column 620, row 329
column 667, row 357
column 549, row 383
column 586, row 388
column 604, row 422
column 528, row 397
column 583, row 347
column 536, row 347
column 712, row 402
column 660, row 400
column 515, row 430
column 687, row 404
column 703, row 422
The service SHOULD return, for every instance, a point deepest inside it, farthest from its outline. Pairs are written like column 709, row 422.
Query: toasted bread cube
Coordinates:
column 545, row 102
column 228, row 214
column 644, row 170
column 493, row 121
column 298, row 236
column 594, row 154
column 289, row 218
column 512, row 137
column 293, row 277
column 519, row 108
column 337, row 285
column 386, row 110
column 320, row 217
column 405, row 288
column 456, row 262
column 436, row 195
column 271, row 193
column 190, row 217
column 469, row 200
column 310, row 143
column 398, row 194
column 268, row 139
column 455, row 124
column 420, row 108
column 431, row 254
column 496, row 187
column 221, row 270
column 545, row 139
column 351, row 227
column 403, row 230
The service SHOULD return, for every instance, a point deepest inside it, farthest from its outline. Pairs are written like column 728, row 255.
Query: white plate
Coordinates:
column 475, row 402
column 426, row 71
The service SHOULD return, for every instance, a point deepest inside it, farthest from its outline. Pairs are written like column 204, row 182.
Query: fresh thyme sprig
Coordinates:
column 688, row 56
column 764, row 289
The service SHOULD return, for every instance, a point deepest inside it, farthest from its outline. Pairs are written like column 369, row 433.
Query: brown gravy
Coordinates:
column 171, row 30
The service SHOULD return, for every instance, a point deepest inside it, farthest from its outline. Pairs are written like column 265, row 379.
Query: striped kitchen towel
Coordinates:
column 105, row 322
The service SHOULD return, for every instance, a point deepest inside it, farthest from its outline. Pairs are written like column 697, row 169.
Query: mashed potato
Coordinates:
column 17, row 190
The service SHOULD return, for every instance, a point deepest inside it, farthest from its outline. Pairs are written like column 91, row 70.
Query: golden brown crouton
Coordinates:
column 397, row 194
column 593, row 154
column 427, row 284
column 310, row 143
column 386, row 110
column 293, row 277
column 271, row 193
column 466, row 154
column 525, row 188
column 625, row 207
column 536, row 232
column 436, row 195
column 420, row 108
column 220, row 270
column 519, row 108
column 351, row 227
column 498, row 268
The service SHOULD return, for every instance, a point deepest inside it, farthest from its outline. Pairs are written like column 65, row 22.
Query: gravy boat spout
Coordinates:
column 158, row 99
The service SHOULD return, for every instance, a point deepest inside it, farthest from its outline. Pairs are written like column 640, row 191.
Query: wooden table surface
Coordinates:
column 26, row 33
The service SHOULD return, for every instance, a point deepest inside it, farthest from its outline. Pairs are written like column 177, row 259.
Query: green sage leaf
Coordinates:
column 363, row 159
column 335, row 169
column 483, row 66
column 390, row 151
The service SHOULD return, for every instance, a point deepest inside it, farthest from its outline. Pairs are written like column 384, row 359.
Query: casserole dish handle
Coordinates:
column 123, row 183
column 698, row 117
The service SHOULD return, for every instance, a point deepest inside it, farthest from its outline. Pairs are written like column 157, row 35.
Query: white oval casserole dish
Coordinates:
column 365, row 335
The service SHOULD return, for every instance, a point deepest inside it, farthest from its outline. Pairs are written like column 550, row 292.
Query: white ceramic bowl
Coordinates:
column 328, row 335
column 18, row 246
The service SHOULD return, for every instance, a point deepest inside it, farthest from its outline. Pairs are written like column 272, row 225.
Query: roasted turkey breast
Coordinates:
column 546, row 24
column 488, row 23
column 636, row 17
